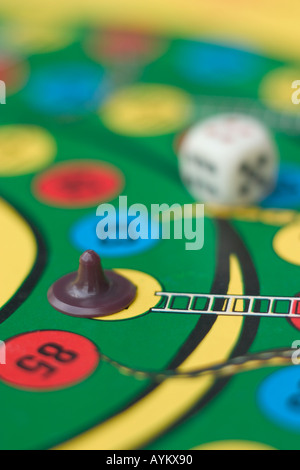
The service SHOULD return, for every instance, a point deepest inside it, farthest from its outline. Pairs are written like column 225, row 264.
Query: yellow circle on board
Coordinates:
column 25, row 149
column 35, row 38
column 146, row 110
column 234, row 445
column 276, row 90
column 145, row 298
column 286, row 243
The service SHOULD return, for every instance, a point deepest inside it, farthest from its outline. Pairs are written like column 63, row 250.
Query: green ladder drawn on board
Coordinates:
column 231, row 305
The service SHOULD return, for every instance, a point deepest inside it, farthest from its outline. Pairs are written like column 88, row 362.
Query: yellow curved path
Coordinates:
column 252, row 22
column 18, row 250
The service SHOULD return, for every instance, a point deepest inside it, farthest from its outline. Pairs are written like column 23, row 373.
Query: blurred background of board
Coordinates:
column 269, row 26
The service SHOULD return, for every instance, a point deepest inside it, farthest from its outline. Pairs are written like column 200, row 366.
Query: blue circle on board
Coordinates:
column 212, row 64
column 71, row 88
column 84, row 237
column 287, row 192
column 279, row 398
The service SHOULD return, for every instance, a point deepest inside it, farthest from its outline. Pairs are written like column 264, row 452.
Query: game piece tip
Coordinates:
column 89, row 257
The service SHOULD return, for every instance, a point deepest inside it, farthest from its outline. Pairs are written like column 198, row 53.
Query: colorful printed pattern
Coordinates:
column 92, row 120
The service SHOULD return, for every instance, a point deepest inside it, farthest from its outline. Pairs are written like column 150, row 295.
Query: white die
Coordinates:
column 228, row 159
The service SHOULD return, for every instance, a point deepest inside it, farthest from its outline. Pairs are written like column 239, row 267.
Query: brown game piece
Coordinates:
column 91, row 292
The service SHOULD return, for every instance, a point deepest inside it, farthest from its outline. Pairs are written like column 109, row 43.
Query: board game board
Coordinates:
column 201, row 359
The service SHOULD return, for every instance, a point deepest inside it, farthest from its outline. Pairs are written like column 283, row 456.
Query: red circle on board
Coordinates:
column 76, row 184
column 296, row 311
column 48, row 360
column 13, row 72
column 120, row 46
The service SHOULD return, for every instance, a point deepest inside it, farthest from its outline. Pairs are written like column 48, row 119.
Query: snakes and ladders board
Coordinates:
column 202, row 358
